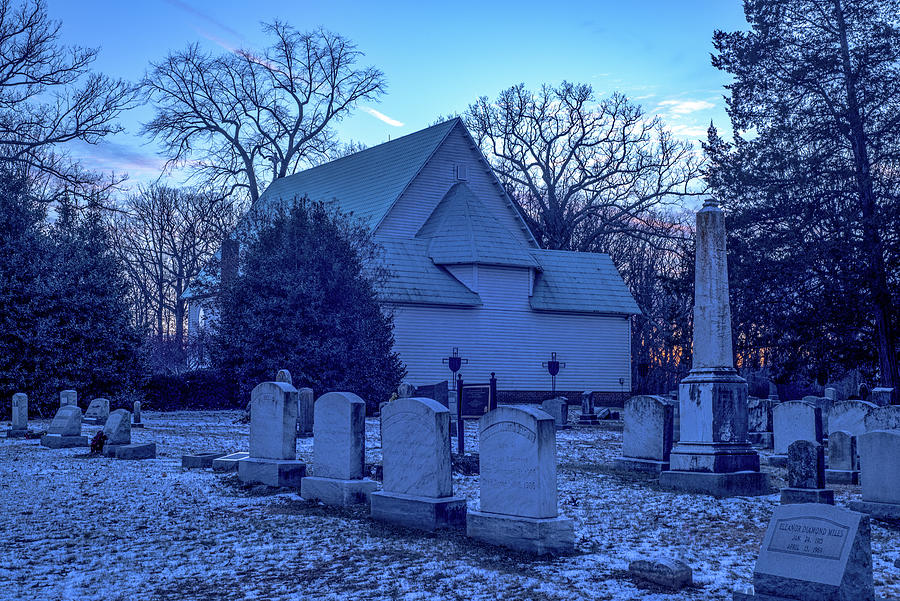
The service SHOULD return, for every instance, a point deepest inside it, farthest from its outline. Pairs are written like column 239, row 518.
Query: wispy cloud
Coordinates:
column 114, row 156
column 381, row 116
column 205, row 17
column 685, row 107
column 688, row 131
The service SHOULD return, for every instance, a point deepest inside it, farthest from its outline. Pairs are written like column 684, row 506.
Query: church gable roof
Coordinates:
column 462, row 230
column 580, row 282
column 366, row 183
column 414, row 278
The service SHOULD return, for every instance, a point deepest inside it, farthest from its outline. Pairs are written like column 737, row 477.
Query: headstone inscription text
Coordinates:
column 475, row 399
column 809, row 536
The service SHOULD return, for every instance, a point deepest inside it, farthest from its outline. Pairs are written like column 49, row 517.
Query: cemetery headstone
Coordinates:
column 68, row 397
column 849, row 416
column 97, row 412
column 669, row 573
column 794, row 420
column 284, row 376
column 558, row 408
column 136, row 451
column 405, row 390
column 760, row 422
column 65, row 429
column 417, row 486
column 588, row 417
column 199, row 460
column 881, row 396
column 879, row 458
column 339, row 450
column 273, row 437
column 832, row 394
column 136, row 416
column 883, row 418
column 773, row 391
column 843, row 460
column 647, row 437
column 19, row 426
column 117, row 431
column 228, row 463
column 305, row 412
column 806, row 475
column 713, row 454
column 517, row 463
column 814, row 552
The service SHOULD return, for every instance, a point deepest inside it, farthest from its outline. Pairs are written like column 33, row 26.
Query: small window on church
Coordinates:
column 462, row 173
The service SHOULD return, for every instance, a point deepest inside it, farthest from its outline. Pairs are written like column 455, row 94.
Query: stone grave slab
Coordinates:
column 849, row 416
column 843, row 459
column 879, row 461
column 883, row 418
column 200, row 460
column 228, row 463
column 558, row 408
column 273, row 438
column 65, row 429
column 19, row 427
column 806, row 475
column 647, row 437
column 136, row 451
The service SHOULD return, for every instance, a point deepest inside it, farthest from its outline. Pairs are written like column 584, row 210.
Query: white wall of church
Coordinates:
column 507, row 337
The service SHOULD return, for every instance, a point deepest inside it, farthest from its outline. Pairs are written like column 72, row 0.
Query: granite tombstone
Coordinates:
column 273, row 438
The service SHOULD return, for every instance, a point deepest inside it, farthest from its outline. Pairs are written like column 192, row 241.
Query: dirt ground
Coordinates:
column 79, row 527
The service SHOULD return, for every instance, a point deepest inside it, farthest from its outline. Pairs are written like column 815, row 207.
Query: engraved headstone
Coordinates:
column 881, row 396
column 339, row 449
column 65, row 429
column 806, row 474
column 136, row 416
column 68, row 397
column 795, row 420
column 273, row 437
column 405, row 390
column 647, row 438
column 814, row 552
column 284, row 376
column 118, row 428
column 517, row 460
column 760, row 415
column 97, row 412
column 19, row 415
column 559, row 409
column 588, row 417
column 843, row 461
column 883, row 418
column 418, row 488
column 832, row 394
column 849, row 416
column 879, row 458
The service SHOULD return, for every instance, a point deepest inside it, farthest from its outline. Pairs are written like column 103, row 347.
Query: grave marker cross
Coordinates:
column 553, row 366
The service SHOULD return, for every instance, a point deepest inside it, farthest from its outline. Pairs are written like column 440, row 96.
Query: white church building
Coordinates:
column 467, row 274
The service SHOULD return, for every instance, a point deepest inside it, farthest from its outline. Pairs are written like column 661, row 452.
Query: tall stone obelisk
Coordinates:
column 713, row 455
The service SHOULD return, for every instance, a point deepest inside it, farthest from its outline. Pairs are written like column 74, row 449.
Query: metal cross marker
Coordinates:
column 553, row 366
column 454, row 361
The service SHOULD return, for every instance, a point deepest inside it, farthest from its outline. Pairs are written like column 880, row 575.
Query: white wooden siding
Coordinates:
column 507, row 337
column 424, row 193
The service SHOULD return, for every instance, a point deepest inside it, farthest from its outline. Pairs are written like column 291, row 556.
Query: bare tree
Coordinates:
column 49, row 97
column 165, row 236
column 579, row 170
column 246, row 119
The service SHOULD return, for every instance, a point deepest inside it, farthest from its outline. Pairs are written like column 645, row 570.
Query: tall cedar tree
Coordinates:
column 304, row 298
column 64, row 320
column 811, row 181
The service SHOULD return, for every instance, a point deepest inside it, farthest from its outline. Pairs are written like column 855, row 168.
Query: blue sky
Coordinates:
column 437, row 57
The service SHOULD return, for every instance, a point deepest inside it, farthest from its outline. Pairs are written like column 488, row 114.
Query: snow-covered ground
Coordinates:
column 77, row 527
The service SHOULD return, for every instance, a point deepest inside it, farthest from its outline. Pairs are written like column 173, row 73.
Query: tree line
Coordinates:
column 807, row 175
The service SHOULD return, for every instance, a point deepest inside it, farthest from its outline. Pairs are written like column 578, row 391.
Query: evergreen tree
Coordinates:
column 811, row 182
column 304, row 298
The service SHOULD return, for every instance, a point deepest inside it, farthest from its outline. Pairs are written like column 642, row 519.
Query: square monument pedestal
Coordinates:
column 337, row 492
column 647, row 466
column 842, row 476
column 532, row 535
column 807, row 495
column 271, row 472
column 58, row 441
column 733, row 484
column 423, row 513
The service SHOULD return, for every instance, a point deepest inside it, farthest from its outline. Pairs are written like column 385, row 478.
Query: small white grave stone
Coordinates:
column 879, row 458
column 647, row 438
column 117, row 430
column 517, row 460
column 843, row 460
column 68, row 397
column 849, row 416
column 305, row 412
column 273, row 438
column 795, row 420
column 65, row 429
column 97, row 412
column 19, row 416
column 559, row 409
column 339, row 451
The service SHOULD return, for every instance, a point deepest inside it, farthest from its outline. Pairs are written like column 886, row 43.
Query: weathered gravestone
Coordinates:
column 814, row 552
column 588, row 417
column 759, row 424
column 647, row 438
column 405, row 390
column 849, row 416
column 713, row 454
column 806, row 475
column 228, row 463
column 305, row 412
column 65, row 429
column 97, row 412
column 284, row 376
column 19, row 426
column 883, row 418
column 68, row 397
column 794, row 420
column 200, row 460
column 843, row 460
column 881, row 396
column 117, row 431
column 417, row 486
column 273, row 437
column 669, row 573
column 558, row 408
column 517, row 465
column 832, row 395
column 879, row 462
column 824, row 404
column 339, row 450
column 136, row 416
